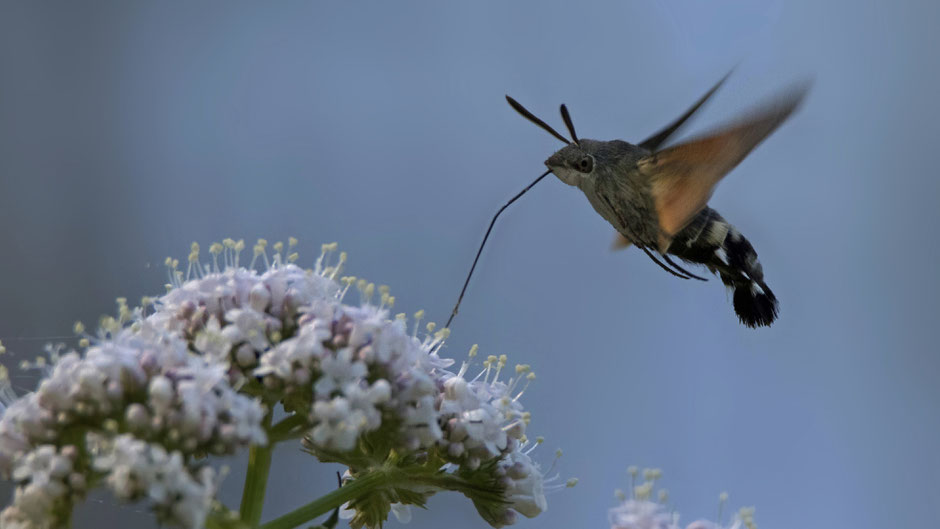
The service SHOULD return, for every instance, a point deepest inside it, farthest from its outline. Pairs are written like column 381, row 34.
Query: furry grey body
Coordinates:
column 621, row 193
column 616, row 188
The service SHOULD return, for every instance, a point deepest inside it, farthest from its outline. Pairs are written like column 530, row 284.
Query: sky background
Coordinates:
column 129, row 130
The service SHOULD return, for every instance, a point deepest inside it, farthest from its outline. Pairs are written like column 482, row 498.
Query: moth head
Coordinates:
column 571, row 164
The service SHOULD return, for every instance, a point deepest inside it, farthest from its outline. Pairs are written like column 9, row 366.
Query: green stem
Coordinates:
column 350, row 491
column 375, row 479
column 256, row 480
column 284, row 430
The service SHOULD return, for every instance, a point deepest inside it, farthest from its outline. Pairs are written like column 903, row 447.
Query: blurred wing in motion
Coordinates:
column 620, row 242
column 654, row 142
column 683, row 177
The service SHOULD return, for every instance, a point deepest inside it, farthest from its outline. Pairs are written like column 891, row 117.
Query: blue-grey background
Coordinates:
column 128, row 130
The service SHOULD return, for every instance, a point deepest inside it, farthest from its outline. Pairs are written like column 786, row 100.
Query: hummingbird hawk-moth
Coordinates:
column 656, row 196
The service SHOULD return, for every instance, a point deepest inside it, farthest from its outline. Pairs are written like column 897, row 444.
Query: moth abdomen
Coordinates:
column 711, row 241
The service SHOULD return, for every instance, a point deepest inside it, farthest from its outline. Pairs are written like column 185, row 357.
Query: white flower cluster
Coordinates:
column 51, row 482
column 138, row 469
column 136, row 383
column 287, row 330
column 524, row 485
column 482, row 417
column 349, row 368
column 640, row 512
column 186, row 376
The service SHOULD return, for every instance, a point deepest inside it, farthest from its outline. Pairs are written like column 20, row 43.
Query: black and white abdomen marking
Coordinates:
column 709, row 240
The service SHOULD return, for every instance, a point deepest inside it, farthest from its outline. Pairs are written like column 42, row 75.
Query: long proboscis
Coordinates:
column 487, row 236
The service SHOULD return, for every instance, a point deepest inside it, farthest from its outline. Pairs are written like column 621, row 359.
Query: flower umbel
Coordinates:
column 202, row 369
column 640, row 511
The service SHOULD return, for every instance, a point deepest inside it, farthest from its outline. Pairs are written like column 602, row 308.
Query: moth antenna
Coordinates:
column 487, row 235
column 680, row 269
column 568, row 123
column 531, row 117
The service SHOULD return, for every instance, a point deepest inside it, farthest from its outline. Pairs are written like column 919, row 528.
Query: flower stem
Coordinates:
column 350, row 491
column 377, row 478
column 285, row 429
column 256, row 480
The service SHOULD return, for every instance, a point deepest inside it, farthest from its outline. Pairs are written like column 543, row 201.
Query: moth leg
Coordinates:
column 660, row 263
column 631, row 237
column 683, row 270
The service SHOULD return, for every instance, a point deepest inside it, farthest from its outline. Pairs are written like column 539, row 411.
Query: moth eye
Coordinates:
column 586, row 165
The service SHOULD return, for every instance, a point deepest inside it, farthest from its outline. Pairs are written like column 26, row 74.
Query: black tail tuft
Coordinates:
column 711, row 241
column 755, row 304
